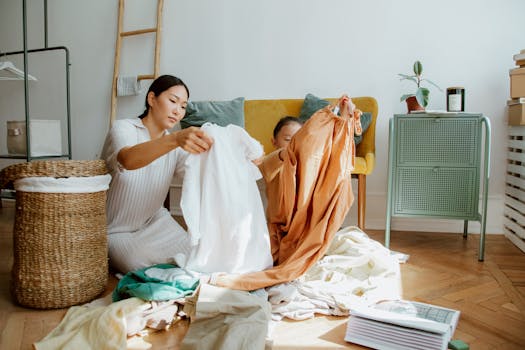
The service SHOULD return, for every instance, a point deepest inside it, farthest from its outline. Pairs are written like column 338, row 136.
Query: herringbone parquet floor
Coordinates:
column 443, row 269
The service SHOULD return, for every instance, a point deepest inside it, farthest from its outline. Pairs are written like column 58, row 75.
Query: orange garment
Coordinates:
column 309, row 194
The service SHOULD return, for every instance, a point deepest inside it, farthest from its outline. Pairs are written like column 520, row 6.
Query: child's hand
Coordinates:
column 346, row 106
column 258, row 161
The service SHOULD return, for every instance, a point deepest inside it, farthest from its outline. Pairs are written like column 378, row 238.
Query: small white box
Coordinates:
column 46, row 138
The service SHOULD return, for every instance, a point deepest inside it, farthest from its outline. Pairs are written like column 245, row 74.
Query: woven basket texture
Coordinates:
column 60, row 239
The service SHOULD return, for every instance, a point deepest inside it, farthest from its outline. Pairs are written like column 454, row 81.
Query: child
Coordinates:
column 285, row 128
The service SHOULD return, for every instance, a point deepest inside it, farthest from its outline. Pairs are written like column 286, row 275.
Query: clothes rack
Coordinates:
column 26, row 78
column 15, row 73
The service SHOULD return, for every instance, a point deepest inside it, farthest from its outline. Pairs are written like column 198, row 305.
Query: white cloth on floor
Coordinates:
column 222, row 206
column 156, row 315
column 92, row 328
column 225, row 319
column 102, row 324
column 128, row 85
column 355, row 269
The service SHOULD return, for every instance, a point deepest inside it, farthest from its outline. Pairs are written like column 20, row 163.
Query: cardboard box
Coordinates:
column 517, row 82
column 46, row 138
column 516, row 113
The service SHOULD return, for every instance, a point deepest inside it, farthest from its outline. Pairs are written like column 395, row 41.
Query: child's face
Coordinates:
column 285, row 135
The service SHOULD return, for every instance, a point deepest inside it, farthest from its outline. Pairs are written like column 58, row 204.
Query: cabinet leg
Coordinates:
column 465, row 229
column 361, row 200
column 482, row 232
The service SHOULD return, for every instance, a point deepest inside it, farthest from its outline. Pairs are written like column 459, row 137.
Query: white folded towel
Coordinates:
column 128, row 86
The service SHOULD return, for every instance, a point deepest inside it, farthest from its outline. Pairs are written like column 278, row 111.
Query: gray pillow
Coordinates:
column 219, row 112
column 313, row 103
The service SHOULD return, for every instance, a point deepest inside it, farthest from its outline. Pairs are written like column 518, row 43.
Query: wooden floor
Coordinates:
column 443, row 269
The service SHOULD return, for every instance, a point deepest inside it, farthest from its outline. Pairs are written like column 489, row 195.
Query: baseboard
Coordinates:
column 376, row 218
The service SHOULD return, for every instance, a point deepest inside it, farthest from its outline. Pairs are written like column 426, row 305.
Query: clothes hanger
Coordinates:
column 15, row 73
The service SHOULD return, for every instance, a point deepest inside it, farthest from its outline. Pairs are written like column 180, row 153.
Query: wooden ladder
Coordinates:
column 120, row 36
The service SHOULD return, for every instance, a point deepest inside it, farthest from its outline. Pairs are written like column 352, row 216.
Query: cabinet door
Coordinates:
column 437, row 192
column 438, row 141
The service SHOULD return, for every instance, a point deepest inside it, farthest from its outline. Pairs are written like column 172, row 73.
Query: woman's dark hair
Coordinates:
column 285, row 121
column 161, row 84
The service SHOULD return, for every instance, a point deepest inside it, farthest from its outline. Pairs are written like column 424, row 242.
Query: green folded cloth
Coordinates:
column 138, row 284
column 457, row 344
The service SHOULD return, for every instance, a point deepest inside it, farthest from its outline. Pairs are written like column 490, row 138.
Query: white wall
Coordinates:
column 285, row 49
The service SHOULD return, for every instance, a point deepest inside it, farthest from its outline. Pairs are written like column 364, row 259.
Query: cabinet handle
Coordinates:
column 435, row 169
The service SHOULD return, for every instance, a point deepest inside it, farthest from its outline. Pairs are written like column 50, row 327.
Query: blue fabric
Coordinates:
column 138, row 284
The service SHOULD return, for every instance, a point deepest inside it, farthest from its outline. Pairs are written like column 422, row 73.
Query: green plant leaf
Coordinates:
column 422, row 95
column 408, row 77
column 418, row 68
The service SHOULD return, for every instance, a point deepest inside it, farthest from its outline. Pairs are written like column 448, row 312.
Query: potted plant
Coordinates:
column 419, row 99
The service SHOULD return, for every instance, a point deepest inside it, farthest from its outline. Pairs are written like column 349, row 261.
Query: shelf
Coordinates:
column 26, row 91
column 436, row 169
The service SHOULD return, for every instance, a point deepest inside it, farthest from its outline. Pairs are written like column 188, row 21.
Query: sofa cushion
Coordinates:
column 219, row 112
column 313, row 103
column 360, row 166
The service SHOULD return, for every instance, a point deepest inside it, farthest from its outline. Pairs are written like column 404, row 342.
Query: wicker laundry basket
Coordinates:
column 60, row 242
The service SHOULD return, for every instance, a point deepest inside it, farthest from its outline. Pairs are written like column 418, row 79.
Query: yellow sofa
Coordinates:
column 260, row 117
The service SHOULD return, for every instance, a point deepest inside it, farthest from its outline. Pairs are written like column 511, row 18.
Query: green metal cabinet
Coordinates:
column 436, row 170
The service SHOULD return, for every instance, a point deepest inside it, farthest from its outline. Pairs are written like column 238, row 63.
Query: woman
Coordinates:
column 142, row 157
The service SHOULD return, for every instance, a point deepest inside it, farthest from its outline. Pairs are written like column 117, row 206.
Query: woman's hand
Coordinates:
column 193, row 140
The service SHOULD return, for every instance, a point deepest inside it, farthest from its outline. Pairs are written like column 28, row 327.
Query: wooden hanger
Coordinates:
column 15, row 73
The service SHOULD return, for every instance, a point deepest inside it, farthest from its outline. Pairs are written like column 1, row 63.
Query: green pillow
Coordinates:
column 219, row 112
column 313, row 103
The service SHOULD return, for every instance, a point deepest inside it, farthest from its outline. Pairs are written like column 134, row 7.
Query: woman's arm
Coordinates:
column 192, row 140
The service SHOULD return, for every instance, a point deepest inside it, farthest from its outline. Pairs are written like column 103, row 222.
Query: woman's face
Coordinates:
column 169, row 107
column 284, row 136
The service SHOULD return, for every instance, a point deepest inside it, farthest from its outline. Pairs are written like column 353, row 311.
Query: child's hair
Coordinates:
column 285, row 121
column 161, row 84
